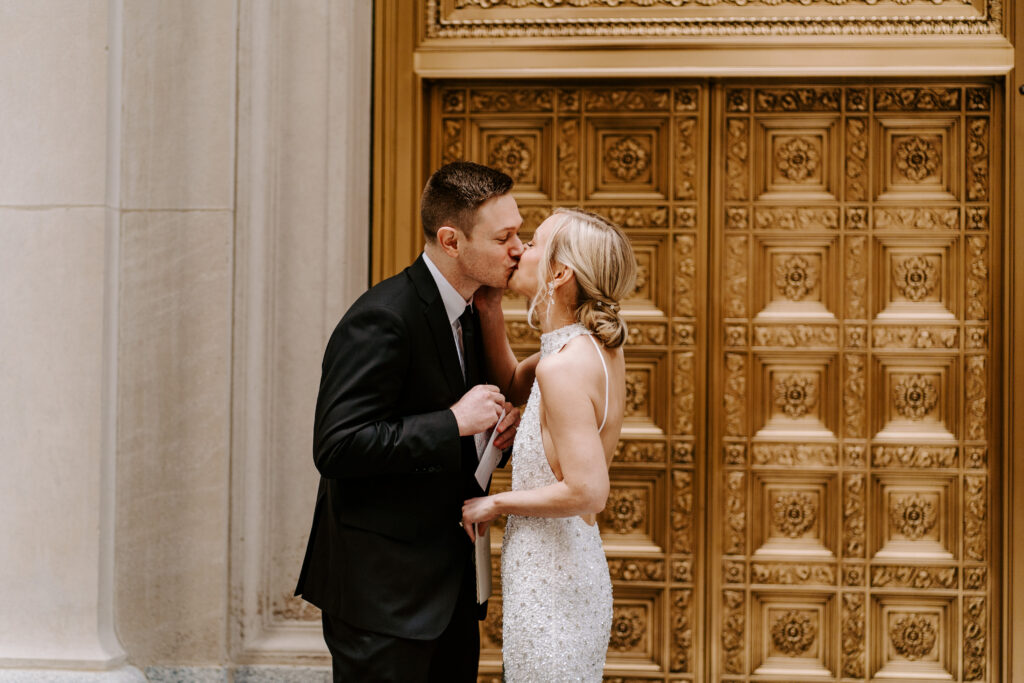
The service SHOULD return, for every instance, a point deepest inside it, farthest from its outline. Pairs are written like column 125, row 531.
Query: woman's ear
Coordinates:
column 448, row 240
column 561, row 275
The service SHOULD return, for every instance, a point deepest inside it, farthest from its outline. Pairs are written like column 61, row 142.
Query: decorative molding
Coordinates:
column 915, row 457
column 915, row 277
column 685, row 285
column 796, row 395
column 639, row 451
column 977, row 158
column 684, row 334
column 797, row 99
column 975, row 638
column 854, row 388
column 737, row 157
column 686, row 158
column 796, row 336
column 854, row 515
column 853, row 630
column 793, row 633
column 681, row 646
column 733, row 572
column 856, row 277
column 634, row 216
column 734, row 454
column 735, row 520
column 856, row 218
column 642, row 334
column 453, row 146
column 913, row 577
column 854, row 575
column 794, row 455
column 682, row 452
column 569, row 159
column 914, row 635
column 853, row 456
column 735, row 394
column 917, row 99
column 856, row 159
column 917, row 218
column 682, row 570
column 733, row 627
column 524, row 18
column 796, row 277
column 632, row 570
column 977, row 277
column 915, row 337
column 626, row 511
column 912, row 516
column 794, row 513
column 736, row 275
column 915, row 396
column 788, row 218
column 512, row 100
column 627, row 99
column 786, row 574
column 629, row 628
column 513, row 156
column 975, row 518
column 975, row 578
column 682, row 511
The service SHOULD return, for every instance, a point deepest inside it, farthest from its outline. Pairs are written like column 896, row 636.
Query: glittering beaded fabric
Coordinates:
column 556, row 592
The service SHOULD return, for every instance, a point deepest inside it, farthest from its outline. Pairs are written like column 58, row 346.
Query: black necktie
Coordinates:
column 468, row 323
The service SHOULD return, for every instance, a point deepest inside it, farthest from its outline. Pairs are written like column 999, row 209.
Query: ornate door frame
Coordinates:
column 407, row 58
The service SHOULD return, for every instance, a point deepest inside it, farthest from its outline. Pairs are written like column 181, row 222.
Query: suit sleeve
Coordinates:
column 358, row 432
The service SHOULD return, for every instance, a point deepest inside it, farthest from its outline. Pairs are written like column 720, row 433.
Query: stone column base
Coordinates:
column 124, row 674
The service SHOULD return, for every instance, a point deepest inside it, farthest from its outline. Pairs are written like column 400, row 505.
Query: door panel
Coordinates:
column 802, row 489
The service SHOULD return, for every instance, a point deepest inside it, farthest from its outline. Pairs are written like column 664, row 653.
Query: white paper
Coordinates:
column 482, row 563
column 490, row 457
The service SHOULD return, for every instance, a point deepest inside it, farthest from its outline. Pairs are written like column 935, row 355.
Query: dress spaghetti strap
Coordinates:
column 605, row 366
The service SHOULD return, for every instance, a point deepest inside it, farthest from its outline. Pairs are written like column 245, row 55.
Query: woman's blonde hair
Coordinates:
column 602, row 261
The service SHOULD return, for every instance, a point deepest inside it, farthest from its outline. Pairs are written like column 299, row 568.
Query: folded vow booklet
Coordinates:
column 489, row 460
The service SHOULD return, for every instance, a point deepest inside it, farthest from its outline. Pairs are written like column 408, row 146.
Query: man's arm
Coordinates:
column 356, row 432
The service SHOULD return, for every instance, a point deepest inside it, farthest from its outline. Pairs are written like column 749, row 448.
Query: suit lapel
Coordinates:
column 441, row 329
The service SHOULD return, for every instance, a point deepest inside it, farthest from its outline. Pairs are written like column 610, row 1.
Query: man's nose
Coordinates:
column 517, row 248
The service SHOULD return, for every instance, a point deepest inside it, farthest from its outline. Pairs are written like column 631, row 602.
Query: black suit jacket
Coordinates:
column 386, row 552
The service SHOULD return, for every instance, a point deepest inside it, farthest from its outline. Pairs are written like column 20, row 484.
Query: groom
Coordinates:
column 401, row 395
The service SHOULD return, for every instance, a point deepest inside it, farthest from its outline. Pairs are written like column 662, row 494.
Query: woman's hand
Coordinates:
column 507, row 428
column 488, row 299
column 478, row 511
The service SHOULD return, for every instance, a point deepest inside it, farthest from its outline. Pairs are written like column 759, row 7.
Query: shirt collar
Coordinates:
column 454, row 304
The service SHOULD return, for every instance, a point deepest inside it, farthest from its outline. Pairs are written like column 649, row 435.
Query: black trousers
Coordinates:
column 453, row 657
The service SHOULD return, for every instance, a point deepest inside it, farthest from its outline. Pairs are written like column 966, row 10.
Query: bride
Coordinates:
column 556, row 591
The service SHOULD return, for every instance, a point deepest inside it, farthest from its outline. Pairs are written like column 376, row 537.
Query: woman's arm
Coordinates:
column 513, row 377
column 572, row 426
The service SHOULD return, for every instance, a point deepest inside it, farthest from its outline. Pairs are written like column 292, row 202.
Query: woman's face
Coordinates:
column 525, row 279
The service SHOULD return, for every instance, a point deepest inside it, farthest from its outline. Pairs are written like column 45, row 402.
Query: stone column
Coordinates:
column 58, row 300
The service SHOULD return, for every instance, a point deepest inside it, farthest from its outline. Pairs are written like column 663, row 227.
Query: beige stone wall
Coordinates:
column 183, row 218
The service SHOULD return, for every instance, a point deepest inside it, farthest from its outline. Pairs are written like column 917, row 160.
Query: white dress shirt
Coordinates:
column 454, row 306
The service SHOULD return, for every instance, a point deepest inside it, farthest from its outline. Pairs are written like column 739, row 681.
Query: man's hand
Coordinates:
column 507, row 428
column 478, row 409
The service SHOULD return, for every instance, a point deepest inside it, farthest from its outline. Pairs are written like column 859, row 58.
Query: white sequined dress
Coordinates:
column 556, row 591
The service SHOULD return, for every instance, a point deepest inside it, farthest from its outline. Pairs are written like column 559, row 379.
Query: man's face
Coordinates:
column 490, row 256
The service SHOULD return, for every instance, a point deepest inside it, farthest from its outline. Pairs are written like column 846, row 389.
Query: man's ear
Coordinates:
column 448, row 240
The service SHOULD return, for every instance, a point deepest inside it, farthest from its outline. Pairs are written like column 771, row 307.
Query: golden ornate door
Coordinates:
column 803, row 486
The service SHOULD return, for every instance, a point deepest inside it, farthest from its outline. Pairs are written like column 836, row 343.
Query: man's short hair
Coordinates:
column 455, row 191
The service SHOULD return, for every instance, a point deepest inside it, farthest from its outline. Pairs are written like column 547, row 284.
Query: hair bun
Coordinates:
column 603, row 320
